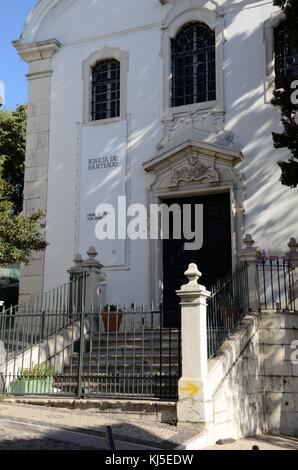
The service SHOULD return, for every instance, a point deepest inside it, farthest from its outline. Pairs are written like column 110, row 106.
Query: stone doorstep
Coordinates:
column 153, row 411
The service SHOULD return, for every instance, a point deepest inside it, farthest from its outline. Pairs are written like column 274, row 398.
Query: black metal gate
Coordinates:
column 116, row 352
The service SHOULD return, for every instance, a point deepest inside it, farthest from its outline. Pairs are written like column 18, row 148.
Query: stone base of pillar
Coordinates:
column 193, row 405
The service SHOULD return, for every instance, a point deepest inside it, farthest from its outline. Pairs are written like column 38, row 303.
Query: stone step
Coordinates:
column 139, row 335
column 121, row 369
column 104, row 358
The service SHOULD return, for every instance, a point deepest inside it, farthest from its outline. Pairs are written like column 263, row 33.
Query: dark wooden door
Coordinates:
column 213, row 259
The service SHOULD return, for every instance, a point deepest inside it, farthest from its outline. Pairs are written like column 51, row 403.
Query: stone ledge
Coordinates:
column 155, row 411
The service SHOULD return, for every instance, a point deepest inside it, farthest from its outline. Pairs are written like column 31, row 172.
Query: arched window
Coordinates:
column 286, row 56
column 193, row 65
column 105, row 90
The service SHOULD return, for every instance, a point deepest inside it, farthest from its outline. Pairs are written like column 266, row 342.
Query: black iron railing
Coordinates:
column 117, row 352
column 278, row 290
column 26, row 324
column 227, row 306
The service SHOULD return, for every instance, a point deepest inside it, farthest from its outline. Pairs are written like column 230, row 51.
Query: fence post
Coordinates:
column 95, row 281
column 292, row 257
column 81, row 354
column 192, row 405
column 94, row 277
column 251, row 255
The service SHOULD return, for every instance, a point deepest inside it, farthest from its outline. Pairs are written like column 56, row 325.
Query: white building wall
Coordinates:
column 84, row 27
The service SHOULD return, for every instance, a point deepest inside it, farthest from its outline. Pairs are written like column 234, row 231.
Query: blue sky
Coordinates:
column 12, row 68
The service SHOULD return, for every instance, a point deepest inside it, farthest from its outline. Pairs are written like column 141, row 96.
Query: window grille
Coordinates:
column 193, row 65
column 106, row 90
column 286, row 56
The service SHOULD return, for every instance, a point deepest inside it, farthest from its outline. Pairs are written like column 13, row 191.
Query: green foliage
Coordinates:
column 282, row 99
column 38, row 372
column 19, row 234
column 290, row 9
column 289, row 137
column 2, row 397
column 111, row 308
column 12, row 152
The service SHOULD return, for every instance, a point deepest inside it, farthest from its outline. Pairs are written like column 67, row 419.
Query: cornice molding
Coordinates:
column 37, row 50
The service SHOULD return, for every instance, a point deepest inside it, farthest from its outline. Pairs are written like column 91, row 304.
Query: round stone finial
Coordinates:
column 78, row 259
column 92, row 253
column 193, row 274
column 293, row 245
column 248, row 241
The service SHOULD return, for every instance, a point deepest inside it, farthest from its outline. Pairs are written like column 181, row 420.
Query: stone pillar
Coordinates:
column 39, row 58
column 192, row 405
column 293, row 253
column 95, row 279
column 292, row 256
column 251, row 255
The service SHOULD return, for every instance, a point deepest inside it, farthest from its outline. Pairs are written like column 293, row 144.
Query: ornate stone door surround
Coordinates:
column 191, row 169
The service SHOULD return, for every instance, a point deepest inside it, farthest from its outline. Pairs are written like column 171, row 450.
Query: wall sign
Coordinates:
column 103, row 163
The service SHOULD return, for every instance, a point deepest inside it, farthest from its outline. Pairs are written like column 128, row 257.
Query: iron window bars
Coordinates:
column 193, row 65
column 105, row 90
column 286, row 56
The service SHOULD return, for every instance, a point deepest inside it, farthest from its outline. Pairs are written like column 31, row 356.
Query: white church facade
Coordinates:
column 153, row 101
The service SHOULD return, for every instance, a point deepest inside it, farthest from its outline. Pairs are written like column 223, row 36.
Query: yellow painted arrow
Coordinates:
column 191, row 388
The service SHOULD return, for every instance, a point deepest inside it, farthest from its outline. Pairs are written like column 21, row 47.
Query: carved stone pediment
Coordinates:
column 194, row 169
column 193, row 164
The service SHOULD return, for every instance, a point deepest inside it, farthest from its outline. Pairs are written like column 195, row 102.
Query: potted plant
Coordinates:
column 35, row 380
column 112, row 317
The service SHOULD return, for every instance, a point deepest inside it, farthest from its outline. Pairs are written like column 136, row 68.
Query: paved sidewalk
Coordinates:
column 134, row 432
column 264, row 442
column 26, row 439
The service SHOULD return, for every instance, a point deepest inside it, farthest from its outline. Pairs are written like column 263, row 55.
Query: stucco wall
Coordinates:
column 84, row 27
column 254, row 381
column 278, row 331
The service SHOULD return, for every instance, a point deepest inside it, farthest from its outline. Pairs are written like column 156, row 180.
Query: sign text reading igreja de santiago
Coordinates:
column 102, row 163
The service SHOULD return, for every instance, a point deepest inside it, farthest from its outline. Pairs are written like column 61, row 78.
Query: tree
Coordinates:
column 289, row 110
column 12, row 152
column 19, row 234
column 290, row 9
column 289, row 137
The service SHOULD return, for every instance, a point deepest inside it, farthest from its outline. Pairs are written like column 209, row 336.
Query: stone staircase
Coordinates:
column 137, row 364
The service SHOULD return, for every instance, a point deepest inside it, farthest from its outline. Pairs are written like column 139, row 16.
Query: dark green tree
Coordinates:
column 12, row 152
column 283, row 99
column 290, row 9
column 19, row 234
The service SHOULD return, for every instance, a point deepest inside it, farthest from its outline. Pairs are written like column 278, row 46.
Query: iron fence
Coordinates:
column 227, row 306
column 278, row 285
column 118, row 352
column 31, row 322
